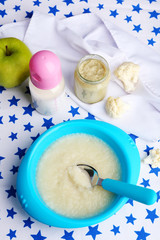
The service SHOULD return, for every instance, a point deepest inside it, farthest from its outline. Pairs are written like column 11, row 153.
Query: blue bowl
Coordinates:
column 28, row 195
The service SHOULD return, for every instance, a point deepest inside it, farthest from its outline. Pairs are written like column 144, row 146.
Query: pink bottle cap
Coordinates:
column 45, row 70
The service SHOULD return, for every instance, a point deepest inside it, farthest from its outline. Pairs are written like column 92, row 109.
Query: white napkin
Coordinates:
column 74, row 37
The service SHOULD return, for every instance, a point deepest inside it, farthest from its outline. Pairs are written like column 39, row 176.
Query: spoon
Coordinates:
column 140, row 194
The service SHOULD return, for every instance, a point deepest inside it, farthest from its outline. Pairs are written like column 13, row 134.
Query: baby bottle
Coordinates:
column 46, row 82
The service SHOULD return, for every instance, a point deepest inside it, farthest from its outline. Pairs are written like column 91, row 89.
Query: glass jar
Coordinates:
column 92, row 75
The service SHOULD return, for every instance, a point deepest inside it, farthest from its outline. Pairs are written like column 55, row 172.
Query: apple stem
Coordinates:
column 8, row 53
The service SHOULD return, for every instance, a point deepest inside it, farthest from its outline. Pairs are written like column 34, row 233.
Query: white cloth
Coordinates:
column 74, row 37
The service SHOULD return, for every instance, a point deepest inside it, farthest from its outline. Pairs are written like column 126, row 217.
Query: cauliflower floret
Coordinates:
column 128, row 73
column 153, row 158
column 115, row 107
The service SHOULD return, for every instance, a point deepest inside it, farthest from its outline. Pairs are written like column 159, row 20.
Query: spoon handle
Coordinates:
column 140, row 194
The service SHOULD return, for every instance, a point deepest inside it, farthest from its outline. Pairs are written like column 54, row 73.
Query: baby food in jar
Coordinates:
column 92, row 75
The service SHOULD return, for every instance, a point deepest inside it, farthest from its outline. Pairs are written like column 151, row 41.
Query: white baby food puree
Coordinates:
column 62, row 185
column 92, row 69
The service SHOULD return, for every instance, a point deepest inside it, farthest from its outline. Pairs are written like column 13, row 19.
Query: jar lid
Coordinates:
column 45, row 70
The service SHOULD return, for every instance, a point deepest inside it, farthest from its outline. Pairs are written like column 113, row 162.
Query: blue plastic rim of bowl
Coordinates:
column 28, row 195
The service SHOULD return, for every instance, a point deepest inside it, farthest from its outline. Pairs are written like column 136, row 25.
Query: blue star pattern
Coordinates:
column 154, row 14
column 142, row 235
column 28, row 127
column 151, row 41
column 120, row 2
column 28, row 110
column 2, row 89
column 68, row 2
column 145, row 183
column 1, row 176
column 53, row 10
column 20, row 153
column 13, row 136
column 11, row 192
column 148, row 149
column 28, row 223
column 1, row 122
column 21, row 125
column 38, row 236
column 93, row 231
column 137, row 8
column 17, row 8
column 1, row 158
column 74, row 111
column 130, row 219
column 3, row 13
column 68, row 235
column 130, row 201
column 158, row 196
column 11, row 213
column 156, row 30
column 29, row 14
column 68, row 15
column 36, row 3
column 155, row 170
column 90, row 116
column 100, row 6
column 47, row 123
column 134, row 137
column 11, row 234
column 150, row 1
column 2, row 1
column 128, row 19
column 13, row 118
column 151, row 215
column 14, row 169
column 115, row 230
column 137, row 28
column 86, row 10
column 114, row 13
column 34, row 138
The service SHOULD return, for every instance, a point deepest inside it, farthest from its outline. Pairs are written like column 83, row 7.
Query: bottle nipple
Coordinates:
column 45, row 70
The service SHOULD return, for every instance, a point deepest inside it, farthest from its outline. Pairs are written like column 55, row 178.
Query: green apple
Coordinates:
column 14, row 62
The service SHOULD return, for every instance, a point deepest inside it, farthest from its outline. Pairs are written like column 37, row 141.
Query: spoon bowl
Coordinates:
column 137, row 193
